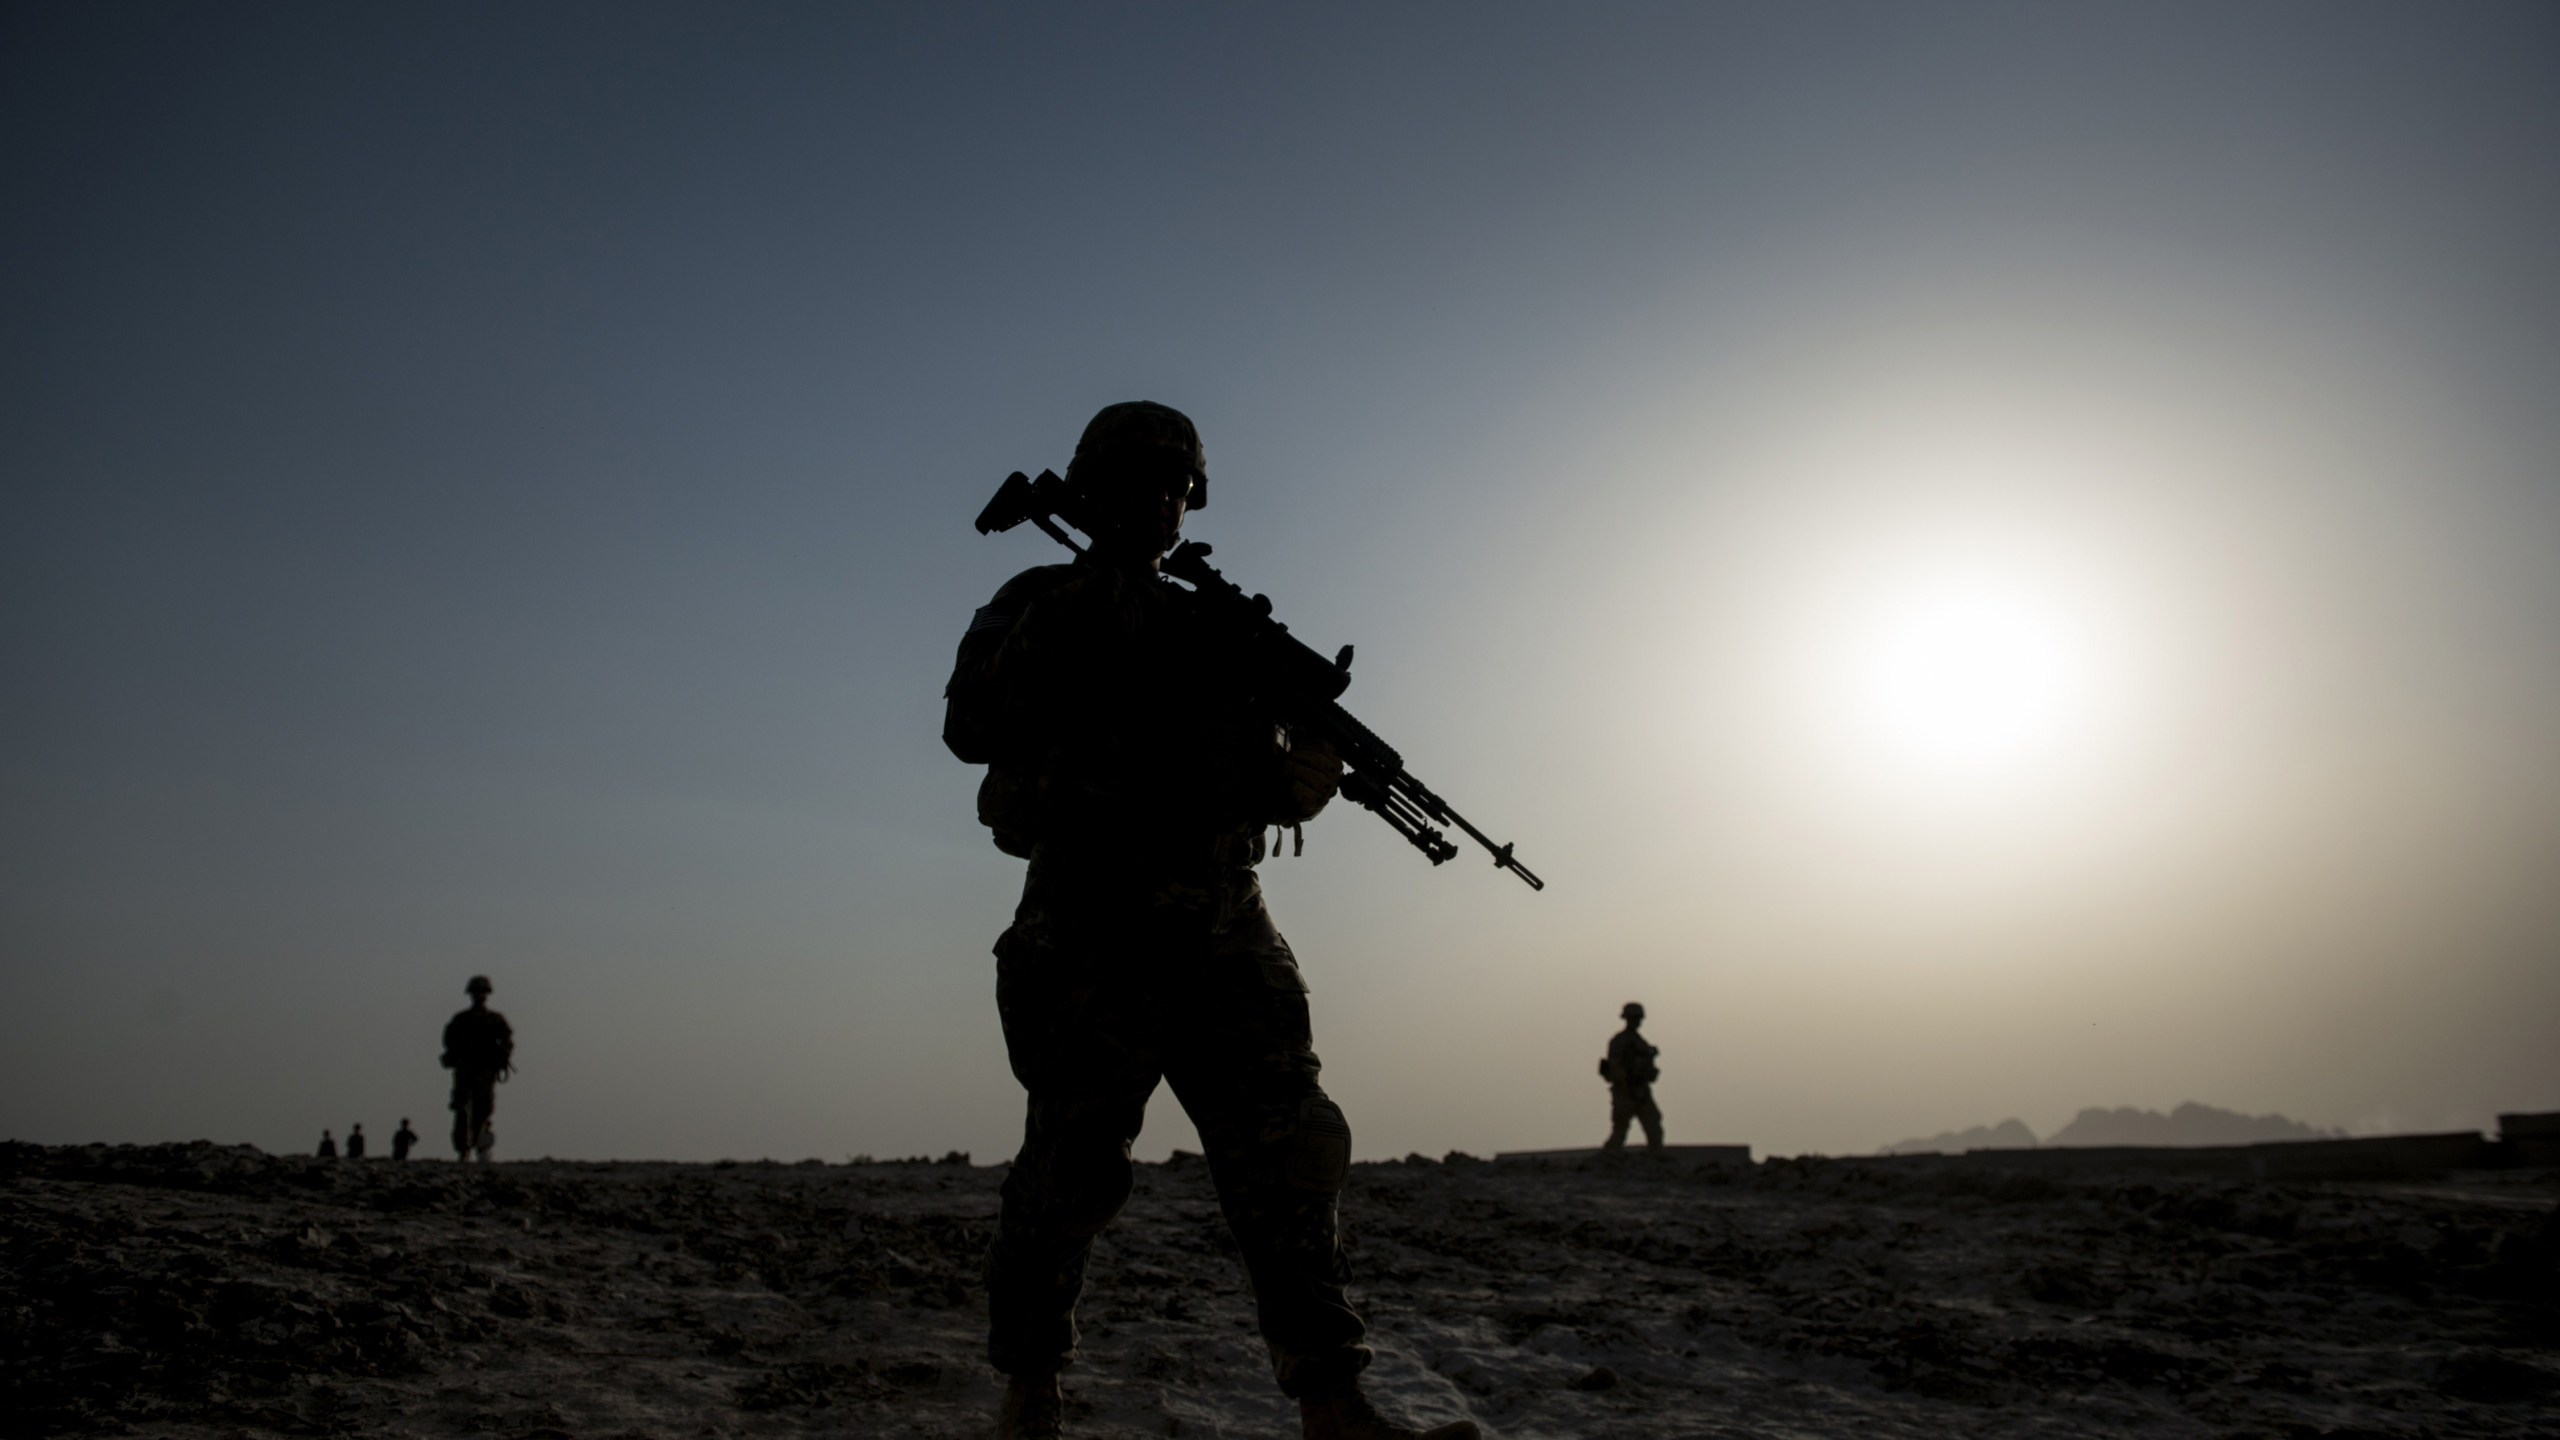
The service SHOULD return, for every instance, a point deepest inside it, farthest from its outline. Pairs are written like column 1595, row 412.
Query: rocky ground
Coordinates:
column 193, row 1290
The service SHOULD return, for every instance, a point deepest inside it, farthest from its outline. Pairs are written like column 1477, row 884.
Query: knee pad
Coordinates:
column 1315, row 1154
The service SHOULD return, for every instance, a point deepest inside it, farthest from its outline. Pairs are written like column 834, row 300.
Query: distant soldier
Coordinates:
column 328, row 1146
column 1630, row 1071
column 479, row 1048
column 355, row 1142
column 403, row 1140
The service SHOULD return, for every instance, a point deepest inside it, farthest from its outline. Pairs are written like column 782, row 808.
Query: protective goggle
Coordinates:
column 1162, row 473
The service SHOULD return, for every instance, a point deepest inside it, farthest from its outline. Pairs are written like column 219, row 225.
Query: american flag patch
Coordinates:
column 989, row 617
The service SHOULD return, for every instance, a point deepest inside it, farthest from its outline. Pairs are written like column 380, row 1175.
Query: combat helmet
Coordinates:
column 479, row 985
column 1631, row 1011
column 1133, row 429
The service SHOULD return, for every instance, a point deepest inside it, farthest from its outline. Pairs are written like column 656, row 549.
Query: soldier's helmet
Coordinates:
column 479, row 986
column 1631, row 1011
column 1136, row 430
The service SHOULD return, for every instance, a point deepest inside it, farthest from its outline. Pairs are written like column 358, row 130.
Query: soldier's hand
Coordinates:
column 1313, row 772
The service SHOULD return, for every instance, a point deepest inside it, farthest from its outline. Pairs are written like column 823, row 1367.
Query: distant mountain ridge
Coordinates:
column 2189, row 1124
column 2007, row 1135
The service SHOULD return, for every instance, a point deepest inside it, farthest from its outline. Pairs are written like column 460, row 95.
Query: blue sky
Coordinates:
column 489, row 491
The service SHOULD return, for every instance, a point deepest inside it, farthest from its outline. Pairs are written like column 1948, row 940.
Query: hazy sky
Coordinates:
column 1997, row 558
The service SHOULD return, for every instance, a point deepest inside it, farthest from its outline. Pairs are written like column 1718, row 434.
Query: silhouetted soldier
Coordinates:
column 1124, row 764
column 328, row 1146
column 355, row 1142
column 479, row 1047
column 1630, row 1071
column 403, row 1140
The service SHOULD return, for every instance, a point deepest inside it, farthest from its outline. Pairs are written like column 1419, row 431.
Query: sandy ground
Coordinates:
column 203, row 1291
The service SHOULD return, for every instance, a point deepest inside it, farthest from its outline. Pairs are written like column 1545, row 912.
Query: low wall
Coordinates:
column 2381, row 1157
column 2374, row 1158
column 2523, row 1140
column 1686, row 1156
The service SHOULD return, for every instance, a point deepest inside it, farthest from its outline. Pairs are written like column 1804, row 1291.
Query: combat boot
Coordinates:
column 1345, row 1414
column 1033, row 1409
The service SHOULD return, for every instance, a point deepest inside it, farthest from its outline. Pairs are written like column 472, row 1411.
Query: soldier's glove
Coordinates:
column 1311, row 772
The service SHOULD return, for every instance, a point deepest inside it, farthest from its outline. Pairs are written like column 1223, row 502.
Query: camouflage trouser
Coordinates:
column 475, row 1096
column 1108, row 984
column 1628, row 1103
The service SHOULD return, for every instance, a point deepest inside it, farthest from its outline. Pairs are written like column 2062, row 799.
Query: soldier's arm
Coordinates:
column 1309, row 774
column 990, row 687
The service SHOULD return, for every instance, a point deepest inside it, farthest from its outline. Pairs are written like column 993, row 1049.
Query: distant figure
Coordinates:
column 1630, row 1071
column 479, row 1048
column 328, row 1146
column 355, row 1142
column 403, row 1140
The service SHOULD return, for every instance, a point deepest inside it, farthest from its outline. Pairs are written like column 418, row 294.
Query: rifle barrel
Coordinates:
column 1421, row 796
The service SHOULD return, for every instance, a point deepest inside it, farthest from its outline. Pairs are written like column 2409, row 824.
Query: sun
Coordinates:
column 1966, row 673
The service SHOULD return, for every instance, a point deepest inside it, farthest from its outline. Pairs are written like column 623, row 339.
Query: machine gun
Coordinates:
column 1298, row 686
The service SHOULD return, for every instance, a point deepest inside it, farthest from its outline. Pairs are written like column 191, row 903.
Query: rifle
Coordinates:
column 1298, row 686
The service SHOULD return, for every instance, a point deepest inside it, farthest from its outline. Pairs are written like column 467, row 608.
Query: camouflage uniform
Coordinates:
column 1142, row 951
column 478, row 1046
column 1630, row 1072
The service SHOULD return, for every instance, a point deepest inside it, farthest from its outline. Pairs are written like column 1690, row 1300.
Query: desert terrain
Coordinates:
column 196, row 1290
